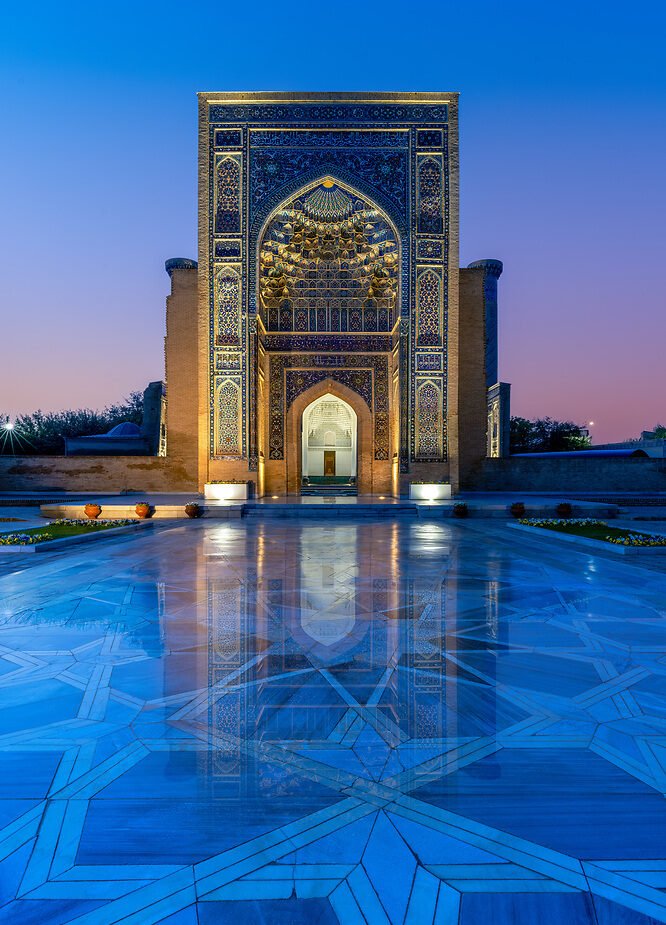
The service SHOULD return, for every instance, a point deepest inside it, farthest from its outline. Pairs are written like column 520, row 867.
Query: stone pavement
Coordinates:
column 281, row 722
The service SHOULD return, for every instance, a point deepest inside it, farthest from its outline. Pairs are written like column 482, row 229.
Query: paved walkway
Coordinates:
column 279, row 722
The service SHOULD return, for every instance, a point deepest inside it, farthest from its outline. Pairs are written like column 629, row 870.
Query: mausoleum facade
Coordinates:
column 326, row 332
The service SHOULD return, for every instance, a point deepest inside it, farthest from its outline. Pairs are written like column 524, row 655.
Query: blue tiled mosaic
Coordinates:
column 385, row 722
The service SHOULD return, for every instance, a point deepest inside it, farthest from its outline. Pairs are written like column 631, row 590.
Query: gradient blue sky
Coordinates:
column 563, row 142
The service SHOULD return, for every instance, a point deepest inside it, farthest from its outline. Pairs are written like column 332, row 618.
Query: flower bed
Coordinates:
column 60, row 529
column 598, row 530
column 24, row 539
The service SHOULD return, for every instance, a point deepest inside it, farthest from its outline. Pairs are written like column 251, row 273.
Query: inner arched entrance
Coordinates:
column 328, row 299
column 329, row 446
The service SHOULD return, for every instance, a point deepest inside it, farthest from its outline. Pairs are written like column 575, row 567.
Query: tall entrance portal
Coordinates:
column 328, row 443
column 328, row 331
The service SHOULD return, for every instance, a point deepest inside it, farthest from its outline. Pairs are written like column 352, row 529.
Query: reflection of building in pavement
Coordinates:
column 300, row 640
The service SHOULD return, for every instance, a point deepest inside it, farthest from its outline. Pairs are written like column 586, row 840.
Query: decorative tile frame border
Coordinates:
column 365, row 374
column 373, row 145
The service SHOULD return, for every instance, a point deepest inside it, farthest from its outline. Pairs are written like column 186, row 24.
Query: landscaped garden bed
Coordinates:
column 595, row 533
column 64, row 532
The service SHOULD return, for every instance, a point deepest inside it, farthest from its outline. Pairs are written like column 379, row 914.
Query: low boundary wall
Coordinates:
column 94, row 473
column 161, row 474
column 587, row 474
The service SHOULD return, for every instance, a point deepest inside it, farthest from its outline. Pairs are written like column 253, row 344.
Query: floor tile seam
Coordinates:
column 173, row 699
column 32, row 733
column 40, row 861
column 64, row 770
column 104, row 773
column 450, row 756
column 626, row 697
column 414, row 912
column 626, row 764
column 306, row 871
column 342, row 910
column 20, row 835
column 83, row 873
column 351, row 737
column 21, row 675
column 618, row 864
column 615, row 686
column 73, row 680
column 21, row 658
column 502, row 844
column 73, row 820
column 360, row 872
column 627, row 900
column 129, row 700
column 375, row 791
column 281, row 843
column 412, row 778
column 546, row 741
column 490, row 869
column 95, row 681
column 245, row 685
column 627, row 885
column 534, row 725
column 201, row 701
column 383, row 726
column 45, row 745
column 645, row 744
column 344, row 723
column 368, row 714
column 277, row 755
column 382, row 684
column 658, row 878
column 112, row 912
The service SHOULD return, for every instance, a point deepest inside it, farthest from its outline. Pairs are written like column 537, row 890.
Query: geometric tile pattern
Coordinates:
column 388, row 722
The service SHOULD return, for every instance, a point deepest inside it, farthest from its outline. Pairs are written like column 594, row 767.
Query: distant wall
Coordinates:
column 629, row 474
column 158, row 473
column 94, row 473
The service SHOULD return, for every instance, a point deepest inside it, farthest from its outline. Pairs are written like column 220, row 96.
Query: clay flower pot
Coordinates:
column 192, row 509
column 92, row 511
column 143, row 510
column 517, row 509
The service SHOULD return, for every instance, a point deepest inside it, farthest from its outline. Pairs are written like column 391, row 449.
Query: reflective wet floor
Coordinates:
column 304, row 724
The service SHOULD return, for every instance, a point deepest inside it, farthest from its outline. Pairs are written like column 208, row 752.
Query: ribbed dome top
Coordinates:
column 328, row 203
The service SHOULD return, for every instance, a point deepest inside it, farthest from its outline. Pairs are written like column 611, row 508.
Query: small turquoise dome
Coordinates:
column 126, row 429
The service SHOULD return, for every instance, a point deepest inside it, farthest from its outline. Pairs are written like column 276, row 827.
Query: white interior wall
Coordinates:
column 345, row 456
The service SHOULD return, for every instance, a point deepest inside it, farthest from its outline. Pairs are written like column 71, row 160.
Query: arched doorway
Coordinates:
column 328, row 297
column 365, row 464
column 328, row 444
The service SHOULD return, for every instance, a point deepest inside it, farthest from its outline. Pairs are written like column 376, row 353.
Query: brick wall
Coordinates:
column 585, row 474
column 183, row 372
column 472, row 402
column 93, row 473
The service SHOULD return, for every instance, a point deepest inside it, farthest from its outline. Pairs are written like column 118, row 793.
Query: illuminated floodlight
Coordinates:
column 12, row 441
